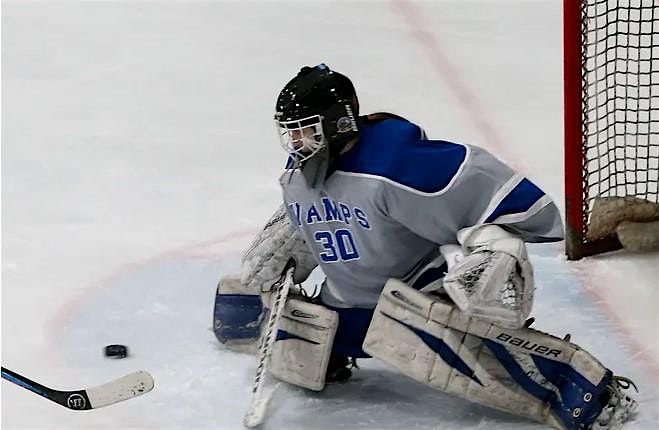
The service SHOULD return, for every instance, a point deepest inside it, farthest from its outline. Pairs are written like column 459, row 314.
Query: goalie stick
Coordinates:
column 120, row 389
column 260, row 395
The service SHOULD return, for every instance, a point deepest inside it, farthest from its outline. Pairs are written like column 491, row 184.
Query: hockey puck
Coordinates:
column 116, row 351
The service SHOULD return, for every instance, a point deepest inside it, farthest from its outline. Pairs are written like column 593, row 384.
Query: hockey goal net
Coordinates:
column 611, row 95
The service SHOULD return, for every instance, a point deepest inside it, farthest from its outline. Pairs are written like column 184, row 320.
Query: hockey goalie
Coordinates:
column 422, row 243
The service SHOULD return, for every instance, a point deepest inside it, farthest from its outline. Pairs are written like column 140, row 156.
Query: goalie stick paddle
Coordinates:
column 120, row 389
column 261, row 396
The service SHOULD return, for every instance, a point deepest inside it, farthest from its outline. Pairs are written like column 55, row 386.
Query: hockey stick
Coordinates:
column 124, row 388
column 260, row 397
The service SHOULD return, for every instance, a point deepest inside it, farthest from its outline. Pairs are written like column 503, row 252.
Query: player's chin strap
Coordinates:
column 261, row 396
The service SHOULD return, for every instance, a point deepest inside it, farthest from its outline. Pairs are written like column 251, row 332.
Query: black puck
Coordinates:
column 116, row 351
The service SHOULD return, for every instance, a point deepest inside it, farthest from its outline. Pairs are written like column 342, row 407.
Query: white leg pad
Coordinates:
column 304, row 342
column 523, row 372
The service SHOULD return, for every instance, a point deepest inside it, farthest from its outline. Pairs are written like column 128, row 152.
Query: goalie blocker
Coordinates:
column 524, row 372
column 237, row 315
column 238, row 312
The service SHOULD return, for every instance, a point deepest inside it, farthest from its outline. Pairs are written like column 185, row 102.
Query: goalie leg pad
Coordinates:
column 523, row 372
column 303, row 345
column 237, row 315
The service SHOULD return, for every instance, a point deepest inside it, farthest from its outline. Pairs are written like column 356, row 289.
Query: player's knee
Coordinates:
column 237, row 315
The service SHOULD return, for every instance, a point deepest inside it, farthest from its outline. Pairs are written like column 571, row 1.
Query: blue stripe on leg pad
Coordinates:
column 284, row 335
column 442, row 349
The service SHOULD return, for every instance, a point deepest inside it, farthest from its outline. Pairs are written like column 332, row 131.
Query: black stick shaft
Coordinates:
column 26, row 383
column 77, row 400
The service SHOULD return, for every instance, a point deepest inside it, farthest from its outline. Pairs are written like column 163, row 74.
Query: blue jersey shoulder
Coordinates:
column 396, row 149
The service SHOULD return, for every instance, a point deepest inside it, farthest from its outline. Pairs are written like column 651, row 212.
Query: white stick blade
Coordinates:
column 257, row 408
column 129, row 386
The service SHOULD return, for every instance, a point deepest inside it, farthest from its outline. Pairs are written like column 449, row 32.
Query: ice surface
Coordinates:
column 138, row 158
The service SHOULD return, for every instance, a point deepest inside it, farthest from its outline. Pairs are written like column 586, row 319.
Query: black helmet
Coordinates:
column 317, row 96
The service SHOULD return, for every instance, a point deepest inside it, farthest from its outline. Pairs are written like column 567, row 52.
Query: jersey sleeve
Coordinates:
column 472, row 187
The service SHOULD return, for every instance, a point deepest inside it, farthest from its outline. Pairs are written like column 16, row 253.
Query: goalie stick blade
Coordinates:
column 256, row 413
column 124, row 388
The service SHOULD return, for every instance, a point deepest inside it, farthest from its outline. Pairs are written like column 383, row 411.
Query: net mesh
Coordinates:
column 620, row 48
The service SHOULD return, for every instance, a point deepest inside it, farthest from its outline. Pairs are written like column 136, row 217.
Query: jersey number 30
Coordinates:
column 338, row 245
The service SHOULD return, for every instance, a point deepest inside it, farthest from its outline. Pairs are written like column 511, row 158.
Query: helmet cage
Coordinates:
column 302, row 138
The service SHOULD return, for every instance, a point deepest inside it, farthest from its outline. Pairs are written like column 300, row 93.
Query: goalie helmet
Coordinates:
column 316, row 110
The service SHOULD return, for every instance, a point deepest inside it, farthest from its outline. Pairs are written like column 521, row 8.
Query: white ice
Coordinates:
column 139, row 156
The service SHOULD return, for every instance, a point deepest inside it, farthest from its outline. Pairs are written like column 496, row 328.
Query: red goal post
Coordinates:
column 611, row 121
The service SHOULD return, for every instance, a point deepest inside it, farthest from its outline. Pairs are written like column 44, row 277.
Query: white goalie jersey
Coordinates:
column 392, row 200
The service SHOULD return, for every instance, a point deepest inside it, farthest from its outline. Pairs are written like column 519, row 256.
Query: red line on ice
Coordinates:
column 64, row 313
column 429, row 41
